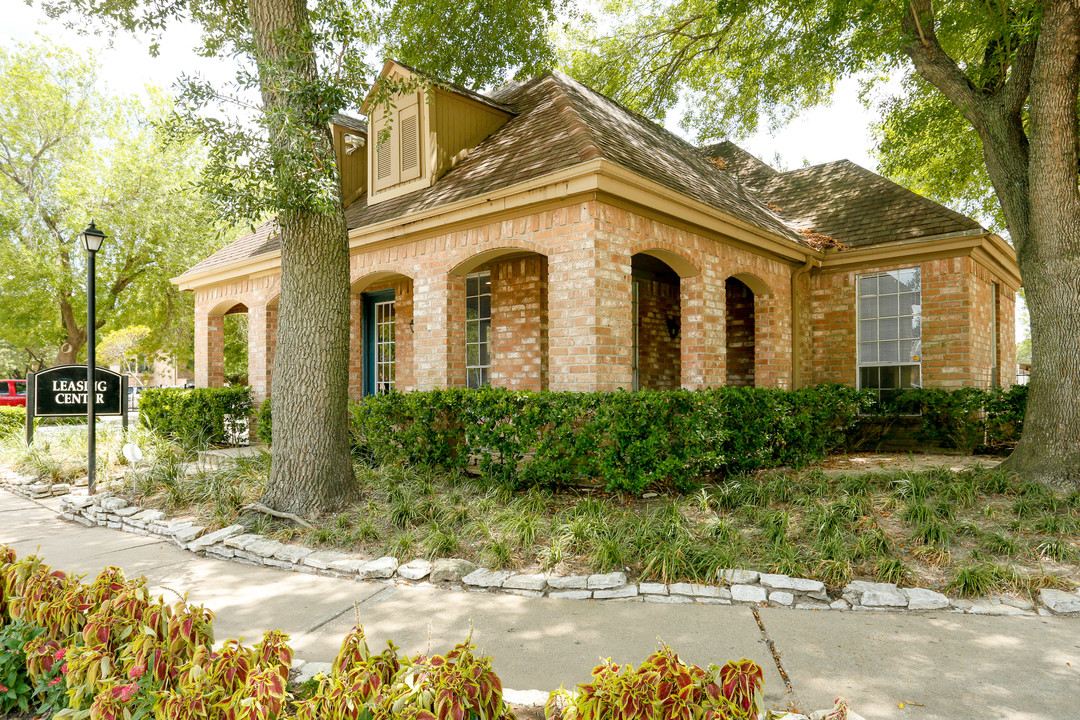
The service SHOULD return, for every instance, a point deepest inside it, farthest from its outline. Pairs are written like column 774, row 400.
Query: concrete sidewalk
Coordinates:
column 950, row 665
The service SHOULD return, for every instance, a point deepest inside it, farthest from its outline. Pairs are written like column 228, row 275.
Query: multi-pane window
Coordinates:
column 384, row 346
column 890, row 330
column 478, row 329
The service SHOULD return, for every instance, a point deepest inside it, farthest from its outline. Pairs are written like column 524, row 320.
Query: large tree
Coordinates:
column 69, row 153
column 298, row 63
column 996, row 81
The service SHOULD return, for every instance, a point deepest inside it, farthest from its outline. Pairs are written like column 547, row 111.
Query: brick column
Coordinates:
column 356, row 347
column 703, row 336
column 519, row 340
column 590, row 307
column 438, row 332
column 772, row 340
column 209, row 350
column 262, row 338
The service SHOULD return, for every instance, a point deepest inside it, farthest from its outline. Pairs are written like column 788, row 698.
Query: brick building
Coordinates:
column 544, row 237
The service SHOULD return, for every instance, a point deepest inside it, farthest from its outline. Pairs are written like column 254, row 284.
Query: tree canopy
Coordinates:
column 68, row 154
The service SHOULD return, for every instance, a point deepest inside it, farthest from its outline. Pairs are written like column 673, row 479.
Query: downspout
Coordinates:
column 796, row 324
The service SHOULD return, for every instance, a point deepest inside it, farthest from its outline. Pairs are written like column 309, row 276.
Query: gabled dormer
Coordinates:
column 431, row 127
column 350, row 147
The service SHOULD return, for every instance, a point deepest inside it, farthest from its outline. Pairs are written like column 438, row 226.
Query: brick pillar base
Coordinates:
column 438, row 332
column 703, row 332
column 262, row 337
column 590, row 308
column 209, row 350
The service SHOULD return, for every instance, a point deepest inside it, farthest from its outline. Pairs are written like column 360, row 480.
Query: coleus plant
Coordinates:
column 664, row 688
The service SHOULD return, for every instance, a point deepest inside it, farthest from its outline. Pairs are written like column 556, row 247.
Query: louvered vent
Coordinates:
column 410, row 144
column 382, row 153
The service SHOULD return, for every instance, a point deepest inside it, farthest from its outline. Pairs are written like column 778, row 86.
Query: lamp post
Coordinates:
column 91, row 238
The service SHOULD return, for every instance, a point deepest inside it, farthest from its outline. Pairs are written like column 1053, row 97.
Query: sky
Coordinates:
column 840, row 130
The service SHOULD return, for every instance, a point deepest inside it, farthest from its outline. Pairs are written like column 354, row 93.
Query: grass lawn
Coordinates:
column 970, row 532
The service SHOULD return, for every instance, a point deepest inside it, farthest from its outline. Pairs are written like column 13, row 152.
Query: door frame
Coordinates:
column 370, row 300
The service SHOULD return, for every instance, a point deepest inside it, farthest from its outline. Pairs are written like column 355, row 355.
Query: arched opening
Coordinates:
column 235, row 345
column 505, row 307
column 740, row 329
column 657, row 322
column 381, row 334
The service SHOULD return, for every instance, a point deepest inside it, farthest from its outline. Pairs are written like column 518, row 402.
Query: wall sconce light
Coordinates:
column 673, row 327
column 410, row 326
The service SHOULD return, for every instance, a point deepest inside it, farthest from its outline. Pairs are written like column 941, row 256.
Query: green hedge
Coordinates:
column 629, row 442
column 968, row 419
column 193, row 415
column 12, row 420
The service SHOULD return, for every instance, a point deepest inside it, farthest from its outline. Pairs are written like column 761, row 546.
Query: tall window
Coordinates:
column 478, row 329
column 890, row 331
column 385, row 379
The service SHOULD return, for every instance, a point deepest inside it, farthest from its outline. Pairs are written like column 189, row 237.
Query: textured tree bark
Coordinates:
column 1049, row 450
column 311, row 469
column 1035, row 178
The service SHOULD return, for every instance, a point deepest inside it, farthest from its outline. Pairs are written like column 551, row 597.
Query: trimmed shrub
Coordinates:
column 968, row 419
column 12, row 420
column 264, row 428
column 629, row 442
column 193, row 416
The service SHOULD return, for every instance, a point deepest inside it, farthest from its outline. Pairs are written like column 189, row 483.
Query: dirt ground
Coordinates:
column 859, row 463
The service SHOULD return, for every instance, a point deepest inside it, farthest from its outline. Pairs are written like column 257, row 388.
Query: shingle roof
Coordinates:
column 263, row 239
column 560, row 123
column 557, row 123
column 858, row 207
column 348, row 121
column 746, row 167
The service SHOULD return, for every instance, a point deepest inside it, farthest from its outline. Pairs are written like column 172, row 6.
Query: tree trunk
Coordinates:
column 75, row 336
column 1049, row 449
column 311, row 469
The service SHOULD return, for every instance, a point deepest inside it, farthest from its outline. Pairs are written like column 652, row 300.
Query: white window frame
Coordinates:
column 385, row 358
column 478, row 374
column 860, row 363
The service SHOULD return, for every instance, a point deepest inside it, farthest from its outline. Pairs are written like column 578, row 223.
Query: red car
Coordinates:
column 12, row 393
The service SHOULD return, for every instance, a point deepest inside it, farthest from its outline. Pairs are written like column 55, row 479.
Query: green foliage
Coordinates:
column 12, row 420
column 630, row 442
column 664, row 687
column 15, row 687
column 193, row 416
column 76, row 154
column 968, row 419
column 264, row 422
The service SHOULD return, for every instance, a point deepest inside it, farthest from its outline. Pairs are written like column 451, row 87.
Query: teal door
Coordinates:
column 379, row 342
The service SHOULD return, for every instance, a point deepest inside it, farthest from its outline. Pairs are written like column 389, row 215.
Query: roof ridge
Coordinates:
column 704, row 166
column 579, row 130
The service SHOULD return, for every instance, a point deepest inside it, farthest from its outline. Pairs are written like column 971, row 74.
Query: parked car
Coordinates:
column 12, row 393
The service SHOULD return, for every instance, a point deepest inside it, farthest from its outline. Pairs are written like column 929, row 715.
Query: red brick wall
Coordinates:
column 659, row 356
column 956, row 332
column 740, row 334
column 519, row 323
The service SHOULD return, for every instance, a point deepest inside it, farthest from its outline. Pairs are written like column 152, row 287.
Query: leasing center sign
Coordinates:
column 61, row 392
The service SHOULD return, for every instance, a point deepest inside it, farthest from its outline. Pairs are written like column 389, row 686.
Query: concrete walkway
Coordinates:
column 939, row 665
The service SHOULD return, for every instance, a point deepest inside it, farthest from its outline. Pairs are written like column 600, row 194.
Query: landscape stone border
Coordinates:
column 737, row 587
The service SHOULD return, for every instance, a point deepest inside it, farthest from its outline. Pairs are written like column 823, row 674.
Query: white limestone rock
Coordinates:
column 923, row 599
column 781, row 597
column 485, row 578
column 293, row 554
column 653, row 588
column 322, row 559
column 383, row 567
column 526, row 582
column 749, row 593
column 739, row 577
column 417, row 569
column 784, row 582
column 1060, row 601
column 218, row 536
column 570, row 594
column 626, row 591
column 669, row 599
column 606, row 581
column 568, row 582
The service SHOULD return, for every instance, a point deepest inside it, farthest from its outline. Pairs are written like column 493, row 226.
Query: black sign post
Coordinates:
column 61, row 392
